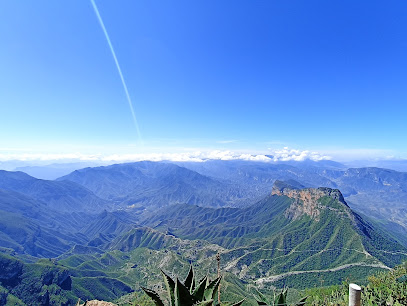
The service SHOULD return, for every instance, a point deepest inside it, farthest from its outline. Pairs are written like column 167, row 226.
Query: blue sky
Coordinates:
column 249, row 76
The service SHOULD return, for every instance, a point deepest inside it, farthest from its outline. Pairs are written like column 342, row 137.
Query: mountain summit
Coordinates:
column 309, row 201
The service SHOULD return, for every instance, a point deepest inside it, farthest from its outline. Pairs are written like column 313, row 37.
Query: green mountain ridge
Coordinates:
column 291, row 230
column 294, row 236
column 47, row 282
column 150, row 185
column 64, row 196
column 30, row 227
column 380, row 194
column 260, row 246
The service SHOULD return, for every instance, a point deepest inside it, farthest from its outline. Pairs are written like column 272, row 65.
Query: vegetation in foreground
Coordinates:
column 384, row 288
column 204, row 293
column 279, row 299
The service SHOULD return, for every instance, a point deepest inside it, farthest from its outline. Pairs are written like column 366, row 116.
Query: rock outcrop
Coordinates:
column 307, row 200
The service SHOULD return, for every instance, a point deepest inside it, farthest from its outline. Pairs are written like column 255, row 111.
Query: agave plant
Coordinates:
column 279, row 299
column 189, row 292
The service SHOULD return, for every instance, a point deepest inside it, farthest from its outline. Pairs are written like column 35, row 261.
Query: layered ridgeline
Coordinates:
column 62, row 196
column 89, row 253
column 42, row 218
column 29, row 227
column 295, row 234
column 148, row 185
column 380, row 194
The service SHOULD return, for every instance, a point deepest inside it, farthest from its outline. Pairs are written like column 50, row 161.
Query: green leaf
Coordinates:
column 182, row 295
column 200, row 289
column 153, row 295
column 302, row 301
column 262, row 298
column 285, row 291
column 212, row 289
column 177, row 301
column 170, row 284
column 280, row 300
column 189, row 281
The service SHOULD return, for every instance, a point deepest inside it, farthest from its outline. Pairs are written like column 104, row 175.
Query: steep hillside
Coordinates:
column 49, row 283
column 137, row 257
column 292, row 232
column 294, row 236
column 107, row 226
column 150, row 185
column 379, row 194
column 30, row 227
column 44, row 218
column 62, row 196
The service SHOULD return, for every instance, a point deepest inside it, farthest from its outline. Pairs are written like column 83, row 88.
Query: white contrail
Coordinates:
column 118, row 69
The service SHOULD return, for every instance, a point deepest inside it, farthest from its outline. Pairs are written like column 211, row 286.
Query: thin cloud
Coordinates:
column 285, row 154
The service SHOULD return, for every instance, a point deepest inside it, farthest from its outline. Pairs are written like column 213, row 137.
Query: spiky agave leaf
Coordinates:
column 182, row 295
column 302, row 301
column 153, row 295
column 281, row 298
column 261, row 299
column 199, row 290
column 170, row 285
column 190, row 280
column 212, row 289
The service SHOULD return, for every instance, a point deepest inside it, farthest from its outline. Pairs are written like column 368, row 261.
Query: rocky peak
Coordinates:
column 307, row 200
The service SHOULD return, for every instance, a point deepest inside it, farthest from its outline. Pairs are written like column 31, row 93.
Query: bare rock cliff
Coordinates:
column 306, row 200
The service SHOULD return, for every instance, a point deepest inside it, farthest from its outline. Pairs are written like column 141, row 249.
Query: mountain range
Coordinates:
column 148, row 185
column 273, row 224
column 311, row 229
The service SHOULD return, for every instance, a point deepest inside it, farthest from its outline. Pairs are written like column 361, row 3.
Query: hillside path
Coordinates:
column 274, row 278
